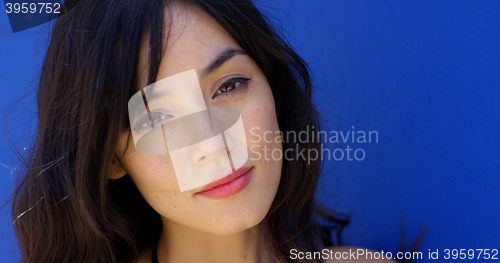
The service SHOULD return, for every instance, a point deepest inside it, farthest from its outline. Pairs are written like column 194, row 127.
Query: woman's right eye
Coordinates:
column 153, row 119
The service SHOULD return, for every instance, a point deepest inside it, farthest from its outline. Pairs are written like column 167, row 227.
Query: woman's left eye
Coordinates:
column 231, row 85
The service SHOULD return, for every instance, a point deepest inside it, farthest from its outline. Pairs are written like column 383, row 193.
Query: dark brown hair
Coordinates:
column 65, row 209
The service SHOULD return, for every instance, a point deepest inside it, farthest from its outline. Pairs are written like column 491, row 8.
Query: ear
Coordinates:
column 117, row 169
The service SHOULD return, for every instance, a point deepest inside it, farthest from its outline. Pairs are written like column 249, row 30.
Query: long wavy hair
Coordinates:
column 65, row 209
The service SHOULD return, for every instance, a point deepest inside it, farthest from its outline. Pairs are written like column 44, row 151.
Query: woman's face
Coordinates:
column 194, row 42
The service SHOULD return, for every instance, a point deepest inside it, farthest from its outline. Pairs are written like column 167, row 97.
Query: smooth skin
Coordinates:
column 197, row 228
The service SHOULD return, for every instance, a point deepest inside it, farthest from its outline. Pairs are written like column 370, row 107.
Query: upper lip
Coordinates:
column 241, row 171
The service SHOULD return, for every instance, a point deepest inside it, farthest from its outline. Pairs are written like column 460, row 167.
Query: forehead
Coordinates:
column 192, row 41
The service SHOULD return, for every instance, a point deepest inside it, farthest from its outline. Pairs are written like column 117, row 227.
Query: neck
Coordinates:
column 179, row 243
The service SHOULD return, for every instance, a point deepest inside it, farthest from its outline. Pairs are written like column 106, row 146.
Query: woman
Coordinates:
column 89, row 195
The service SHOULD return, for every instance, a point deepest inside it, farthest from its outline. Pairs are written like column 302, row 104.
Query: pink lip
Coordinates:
column 229, row 185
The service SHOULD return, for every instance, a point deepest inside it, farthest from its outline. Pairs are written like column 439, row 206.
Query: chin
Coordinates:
column 233, row 226
column 232, row 222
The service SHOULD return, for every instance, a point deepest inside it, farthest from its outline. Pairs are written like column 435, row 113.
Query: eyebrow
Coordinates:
column 221, row 59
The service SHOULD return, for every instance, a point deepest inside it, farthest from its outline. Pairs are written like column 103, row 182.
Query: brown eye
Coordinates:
column 228, row 87
column 231, row 85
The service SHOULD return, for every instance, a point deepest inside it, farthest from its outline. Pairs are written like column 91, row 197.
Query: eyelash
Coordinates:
column 232, row 81
column 145, row 121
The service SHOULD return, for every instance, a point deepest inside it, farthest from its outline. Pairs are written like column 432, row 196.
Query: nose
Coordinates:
column 211, row 150
column 218, row 143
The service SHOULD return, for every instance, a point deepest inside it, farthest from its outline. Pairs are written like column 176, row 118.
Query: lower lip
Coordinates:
column 228, row 189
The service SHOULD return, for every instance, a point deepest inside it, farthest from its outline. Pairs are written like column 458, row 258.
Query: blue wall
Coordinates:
column 424, row 74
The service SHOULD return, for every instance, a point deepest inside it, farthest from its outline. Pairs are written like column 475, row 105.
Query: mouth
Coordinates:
column 229, row 185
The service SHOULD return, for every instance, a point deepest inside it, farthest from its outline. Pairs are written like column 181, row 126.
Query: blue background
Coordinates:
column 424, row 74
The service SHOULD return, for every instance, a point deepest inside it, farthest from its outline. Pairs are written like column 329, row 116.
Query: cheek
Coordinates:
column 154, row 177
column 259, row 117
column 263, row 134
column 259, row 111
column 151, row 173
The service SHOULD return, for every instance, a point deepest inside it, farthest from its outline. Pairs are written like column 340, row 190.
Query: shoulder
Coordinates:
column 355, row 254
